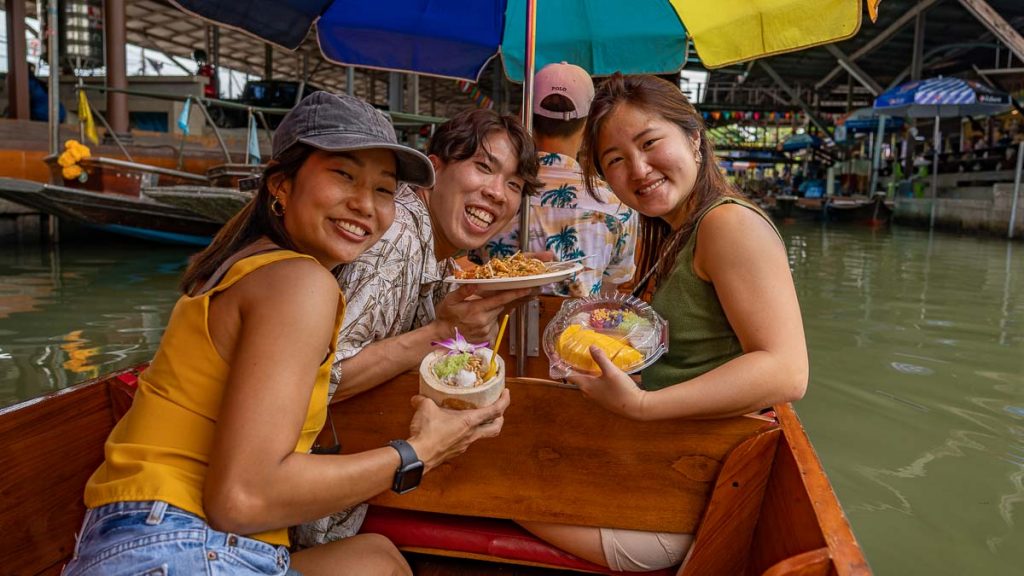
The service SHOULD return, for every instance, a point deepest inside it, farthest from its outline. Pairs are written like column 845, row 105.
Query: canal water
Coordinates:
column 916, row 401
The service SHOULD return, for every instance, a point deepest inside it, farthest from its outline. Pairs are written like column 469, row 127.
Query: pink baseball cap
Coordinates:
column 567, row 80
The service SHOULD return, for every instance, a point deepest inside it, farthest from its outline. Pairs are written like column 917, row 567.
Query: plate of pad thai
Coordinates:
column 513, row 272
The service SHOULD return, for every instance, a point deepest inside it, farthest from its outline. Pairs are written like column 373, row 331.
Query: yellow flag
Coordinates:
column 85, row 114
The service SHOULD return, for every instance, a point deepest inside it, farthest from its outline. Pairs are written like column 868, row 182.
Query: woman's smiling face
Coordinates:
column 339, row 203
column 648, row 161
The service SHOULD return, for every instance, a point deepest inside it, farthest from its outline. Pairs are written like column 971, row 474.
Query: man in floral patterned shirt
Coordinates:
column 396, row 301
column 564, row 219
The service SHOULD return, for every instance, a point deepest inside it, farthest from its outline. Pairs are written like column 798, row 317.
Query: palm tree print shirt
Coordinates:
column 569, row 222
column 393, row 287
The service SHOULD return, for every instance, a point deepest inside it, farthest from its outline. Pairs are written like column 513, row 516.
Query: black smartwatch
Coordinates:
column 410, row 471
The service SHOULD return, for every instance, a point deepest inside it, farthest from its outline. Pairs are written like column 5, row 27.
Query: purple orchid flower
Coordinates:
column 459, row 345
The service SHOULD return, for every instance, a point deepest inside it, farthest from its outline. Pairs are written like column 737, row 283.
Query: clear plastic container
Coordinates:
column 629, row 331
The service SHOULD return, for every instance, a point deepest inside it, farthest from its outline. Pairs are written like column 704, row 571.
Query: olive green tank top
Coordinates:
column 700, row 336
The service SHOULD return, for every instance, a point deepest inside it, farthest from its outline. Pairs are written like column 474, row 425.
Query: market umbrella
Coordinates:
column 941, row 98
column 456, row 38
column 798, row 142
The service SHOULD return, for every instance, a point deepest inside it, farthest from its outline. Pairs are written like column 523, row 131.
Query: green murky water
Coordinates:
column 916, row 403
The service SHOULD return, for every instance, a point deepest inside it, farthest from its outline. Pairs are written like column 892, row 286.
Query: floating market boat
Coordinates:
column 136, row 216
column 210, row 202
column 751, row 490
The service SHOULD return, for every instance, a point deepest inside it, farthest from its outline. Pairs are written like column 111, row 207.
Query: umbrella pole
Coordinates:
column 935, row 173
column 53, row 61
column 876, row 161
column 522, row 314
column 1016, row 189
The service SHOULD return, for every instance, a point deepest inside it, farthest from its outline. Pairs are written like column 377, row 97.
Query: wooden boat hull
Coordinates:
column 113, row 176
column 117, row 213
column 875, row 211
column 793, row 208
column 216, row 204
column 791, row 519
column 232, row 175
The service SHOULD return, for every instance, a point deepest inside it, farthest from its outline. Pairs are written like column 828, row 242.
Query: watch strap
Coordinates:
column 405, row 451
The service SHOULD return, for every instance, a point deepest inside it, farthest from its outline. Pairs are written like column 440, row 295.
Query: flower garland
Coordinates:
column 74, row 152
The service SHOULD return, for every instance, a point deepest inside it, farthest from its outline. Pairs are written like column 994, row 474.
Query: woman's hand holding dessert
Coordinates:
column 438, row 434
column 613, row 389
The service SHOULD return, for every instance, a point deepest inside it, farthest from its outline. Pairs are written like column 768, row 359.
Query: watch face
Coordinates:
column 408, row 478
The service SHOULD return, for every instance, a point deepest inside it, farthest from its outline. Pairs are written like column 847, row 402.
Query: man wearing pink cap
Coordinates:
column 564, row 219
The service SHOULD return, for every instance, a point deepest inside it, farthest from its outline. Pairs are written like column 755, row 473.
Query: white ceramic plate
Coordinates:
column 557, row 271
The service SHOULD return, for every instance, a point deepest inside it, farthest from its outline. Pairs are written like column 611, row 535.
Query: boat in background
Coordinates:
column 234, row 175
column 211, row 202
column 874, row 211
column 231, row 186
column 124, row 214
column 115, row 176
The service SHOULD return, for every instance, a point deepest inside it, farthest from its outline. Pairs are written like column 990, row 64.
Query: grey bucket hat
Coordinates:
column 338, row 122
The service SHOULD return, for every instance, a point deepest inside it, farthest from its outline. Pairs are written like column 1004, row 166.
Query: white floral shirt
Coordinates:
column 566, row 220
column 393, row 287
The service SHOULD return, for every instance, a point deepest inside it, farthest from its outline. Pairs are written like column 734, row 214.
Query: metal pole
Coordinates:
column 52, row 46
column 876, row 161
column 524, row 209
column 1016, row 189
column 350, row 81
column 116, row 39
column 215, row 59
column 81, row 123
column 17, row 63
column 935, row 174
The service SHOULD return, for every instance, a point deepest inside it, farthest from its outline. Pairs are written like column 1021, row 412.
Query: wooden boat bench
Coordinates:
column 562, row 459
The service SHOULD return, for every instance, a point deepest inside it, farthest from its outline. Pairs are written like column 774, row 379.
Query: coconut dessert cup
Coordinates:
column 630, row 333
column 452, row 376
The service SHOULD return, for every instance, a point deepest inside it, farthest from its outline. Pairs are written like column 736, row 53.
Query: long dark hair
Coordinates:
column 253, row 221
column 658, row 244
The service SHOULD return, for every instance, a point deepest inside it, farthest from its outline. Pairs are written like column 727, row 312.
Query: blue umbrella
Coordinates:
column 457, row 38
column 800, row 142
column 941, row 98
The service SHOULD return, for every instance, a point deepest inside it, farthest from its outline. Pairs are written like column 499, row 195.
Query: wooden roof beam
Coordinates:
column 997, row 25
column 880, row 39
column 794, row 97
column 855, row 71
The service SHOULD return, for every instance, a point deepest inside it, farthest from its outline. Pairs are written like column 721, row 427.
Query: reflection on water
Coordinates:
column 72, row 314
column 916, row 403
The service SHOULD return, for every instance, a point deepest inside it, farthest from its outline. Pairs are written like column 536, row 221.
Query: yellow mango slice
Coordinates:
column 574, row 347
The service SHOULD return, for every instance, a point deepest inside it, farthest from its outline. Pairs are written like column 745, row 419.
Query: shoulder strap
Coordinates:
column 258, row 247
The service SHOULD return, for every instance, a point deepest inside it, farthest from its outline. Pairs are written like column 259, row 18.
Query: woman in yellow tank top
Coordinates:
column 210, row 466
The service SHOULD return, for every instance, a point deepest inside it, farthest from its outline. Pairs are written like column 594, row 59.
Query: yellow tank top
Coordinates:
column 160, row 449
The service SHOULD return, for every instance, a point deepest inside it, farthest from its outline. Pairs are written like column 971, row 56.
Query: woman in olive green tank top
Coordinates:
column 718, row 272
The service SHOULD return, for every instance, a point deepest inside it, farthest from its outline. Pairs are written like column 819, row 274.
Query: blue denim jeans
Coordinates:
column 157, row 539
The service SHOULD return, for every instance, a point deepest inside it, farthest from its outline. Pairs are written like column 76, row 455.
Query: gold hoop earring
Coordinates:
column 276, row 207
